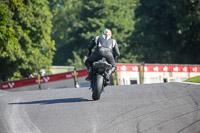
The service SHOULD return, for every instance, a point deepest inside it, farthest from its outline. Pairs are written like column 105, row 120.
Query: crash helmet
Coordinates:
column 106, row 32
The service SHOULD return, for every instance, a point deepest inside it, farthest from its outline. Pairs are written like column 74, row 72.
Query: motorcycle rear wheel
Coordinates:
column 97, row 87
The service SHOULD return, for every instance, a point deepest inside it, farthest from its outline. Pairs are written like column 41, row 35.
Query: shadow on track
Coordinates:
column 54, row 101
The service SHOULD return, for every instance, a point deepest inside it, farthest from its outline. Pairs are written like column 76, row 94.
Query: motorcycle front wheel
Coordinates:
column 97, row 87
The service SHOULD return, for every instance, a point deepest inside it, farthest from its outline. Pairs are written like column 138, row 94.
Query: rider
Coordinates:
column 105, row 47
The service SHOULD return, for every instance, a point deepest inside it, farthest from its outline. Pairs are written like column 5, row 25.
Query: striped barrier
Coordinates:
column 120, row 68
column 44, row 79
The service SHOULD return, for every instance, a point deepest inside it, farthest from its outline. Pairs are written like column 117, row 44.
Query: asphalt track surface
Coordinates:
column 150, row 108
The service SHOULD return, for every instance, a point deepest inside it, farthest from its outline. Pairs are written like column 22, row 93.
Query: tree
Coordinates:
column 115, row 15
column 189, row 31
column 66, row 16
column 78, row 62
column 10, row 48
column 28, row 47
column 167, row 31
column 90, row 18
column 35, row 40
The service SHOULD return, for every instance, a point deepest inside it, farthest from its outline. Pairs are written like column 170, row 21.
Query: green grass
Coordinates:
column 194, row 79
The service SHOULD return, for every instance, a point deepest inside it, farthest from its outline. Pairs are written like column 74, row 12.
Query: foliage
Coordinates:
column 77, row 61
column 115, row 15
column 65, row 21
column 10, row 48
column 26, row 45
column 167, row 31
column 152, row 31
column 78, row 25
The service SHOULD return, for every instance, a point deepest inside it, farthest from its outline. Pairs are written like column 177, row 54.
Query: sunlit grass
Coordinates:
column 194, row 79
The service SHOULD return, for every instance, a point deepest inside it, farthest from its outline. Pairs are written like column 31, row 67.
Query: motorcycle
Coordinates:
column 98, row 82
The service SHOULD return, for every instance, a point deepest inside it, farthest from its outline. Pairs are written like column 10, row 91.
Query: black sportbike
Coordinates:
column 98, row 82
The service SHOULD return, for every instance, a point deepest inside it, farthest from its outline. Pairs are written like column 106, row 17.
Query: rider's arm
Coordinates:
column 91, row 45
column 116, row 52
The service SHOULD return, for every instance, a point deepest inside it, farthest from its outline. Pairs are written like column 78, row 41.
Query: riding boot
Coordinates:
column 89, row 77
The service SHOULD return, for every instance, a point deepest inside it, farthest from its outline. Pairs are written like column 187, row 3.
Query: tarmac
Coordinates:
column 148, row 108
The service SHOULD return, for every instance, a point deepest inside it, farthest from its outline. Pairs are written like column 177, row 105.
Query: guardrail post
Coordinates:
column 39, row 81
column 114, row 77
column 76, row 85
column 141, row 73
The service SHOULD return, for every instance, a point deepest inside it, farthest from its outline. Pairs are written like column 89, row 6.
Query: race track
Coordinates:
column 150, row 108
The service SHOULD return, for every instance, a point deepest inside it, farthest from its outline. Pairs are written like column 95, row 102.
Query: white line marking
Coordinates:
column 190, row 83
column 18, row 119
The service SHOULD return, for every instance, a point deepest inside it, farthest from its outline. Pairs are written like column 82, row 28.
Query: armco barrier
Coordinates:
column 43, row 80
column 155, row 73
column 158, row 68
column 68, row 78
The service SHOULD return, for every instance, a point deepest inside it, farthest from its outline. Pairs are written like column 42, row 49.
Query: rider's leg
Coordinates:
column 88, row 63
column 110, row 59
column 89, row 68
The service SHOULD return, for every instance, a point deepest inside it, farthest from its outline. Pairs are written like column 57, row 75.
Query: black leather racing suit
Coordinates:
column 105, row 47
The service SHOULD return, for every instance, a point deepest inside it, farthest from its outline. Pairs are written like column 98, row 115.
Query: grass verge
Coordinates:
column 194, row 79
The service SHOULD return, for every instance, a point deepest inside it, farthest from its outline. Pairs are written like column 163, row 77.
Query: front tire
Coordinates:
column 98, row 84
